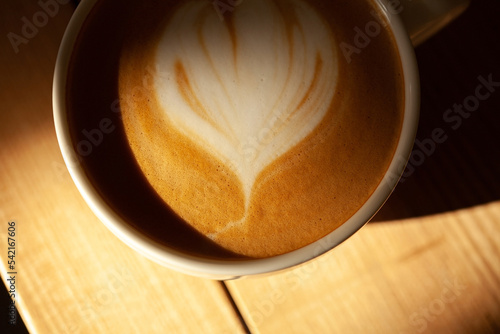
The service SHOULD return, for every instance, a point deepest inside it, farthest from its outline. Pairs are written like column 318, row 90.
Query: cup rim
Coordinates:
column 231, row 269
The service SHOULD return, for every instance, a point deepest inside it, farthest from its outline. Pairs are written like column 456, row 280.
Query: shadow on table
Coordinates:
column 18, row 326
column 460, row 84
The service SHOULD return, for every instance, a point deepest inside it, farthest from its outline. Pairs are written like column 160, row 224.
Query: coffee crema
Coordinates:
column 250, row 124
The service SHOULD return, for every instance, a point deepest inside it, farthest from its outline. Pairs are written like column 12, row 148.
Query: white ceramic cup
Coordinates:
column 423, row 18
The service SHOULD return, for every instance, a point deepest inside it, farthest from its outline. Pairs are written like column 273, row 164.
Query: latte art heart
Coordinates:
column 248, row 88
column 248, row 127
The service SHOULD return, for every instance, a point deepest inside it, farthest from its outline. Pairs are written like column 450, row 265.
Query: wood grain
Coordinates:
column 428, row 263
column 74, row 276
column 438, row 274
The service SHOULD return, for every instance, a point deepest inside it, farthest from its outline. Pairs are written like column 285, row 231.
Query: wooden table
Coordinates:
column 429, row 261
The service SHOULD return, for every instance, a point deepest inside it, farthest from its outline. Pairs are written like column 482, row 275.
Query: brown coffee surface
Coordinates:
column 195, row 197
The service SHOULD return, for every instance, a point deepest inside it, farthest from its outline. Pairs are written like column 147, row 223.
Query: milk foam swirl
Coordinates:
column 250, row 87
column 253, row 130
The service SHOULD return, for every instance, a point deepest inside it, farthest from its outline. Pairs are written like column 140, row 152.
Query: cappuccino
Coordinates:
column 245, row 132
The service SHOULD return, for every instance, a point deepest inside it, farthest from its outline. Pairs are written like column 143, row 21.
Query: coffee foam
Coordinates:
column 250, row 87
column 235, row 125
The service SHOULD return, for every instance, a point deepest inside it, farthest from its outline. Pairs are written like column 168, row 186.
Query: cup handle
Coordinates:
column 424, row 18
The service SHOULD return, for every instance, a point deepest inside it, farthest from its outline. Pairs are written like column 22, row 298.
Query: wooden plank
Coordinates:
column 429, row 263
column 436, row 274
column 73, row 275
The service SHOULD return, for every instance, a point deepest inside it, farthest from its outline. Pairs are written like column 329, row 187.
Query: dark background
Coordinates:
column 466, row 167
